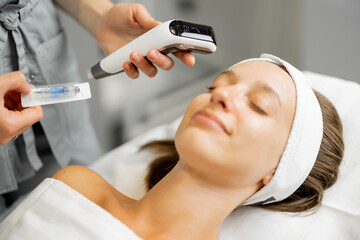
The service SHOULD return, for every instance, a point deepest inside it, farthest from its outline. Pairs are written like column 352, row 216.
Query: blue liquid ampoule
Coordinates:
column 55, row 91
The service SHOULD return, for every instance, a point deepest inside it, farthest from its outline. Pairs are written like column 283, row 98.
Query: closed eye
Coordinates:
column 210, row 88
column 257, row 108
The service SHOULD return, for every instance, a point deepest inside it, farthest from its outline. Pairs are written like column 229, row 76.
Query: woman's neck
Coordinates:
column 182, row 207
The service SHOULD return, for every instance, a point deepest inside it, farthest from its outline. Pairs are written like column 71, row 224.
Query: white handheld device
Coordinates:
column 170, row 36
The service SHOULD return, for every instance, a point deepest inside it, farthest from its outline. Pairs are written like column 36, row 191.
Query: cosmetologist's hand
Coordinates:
column 122, row 24
column 14, row 119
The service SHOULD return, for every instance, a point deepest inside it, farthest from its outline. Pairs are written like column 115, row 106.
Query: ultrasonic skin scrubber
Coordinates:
column 170, row 36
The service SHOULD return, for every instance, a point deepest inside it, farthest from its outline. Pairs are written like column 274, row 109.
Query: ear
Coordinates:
column 266, row 179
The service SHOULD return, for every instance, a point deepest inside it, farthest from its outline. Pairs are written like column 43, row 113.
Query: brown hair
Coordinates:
column 309, row 195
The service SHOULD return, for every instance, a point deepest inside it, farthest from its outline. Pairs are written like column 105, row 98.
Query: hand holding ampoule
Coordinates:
column 14, row 119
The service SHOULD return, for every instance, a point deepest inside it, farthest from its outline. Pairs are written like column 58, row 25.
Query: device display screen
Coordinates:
column 192, row 30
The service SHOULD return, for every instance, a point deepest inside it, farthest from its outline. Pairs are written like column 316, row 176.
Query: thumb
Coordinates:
column 144, row 19
column 14, row 81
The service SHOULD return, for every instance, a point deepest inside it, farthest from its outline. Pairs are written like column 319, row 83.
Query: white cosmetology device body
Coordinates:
column 170, row 36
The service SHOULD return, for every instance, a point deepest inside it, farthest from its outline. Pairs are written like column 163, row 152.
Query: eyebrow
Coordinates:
column 263, row 86
column 229, row 73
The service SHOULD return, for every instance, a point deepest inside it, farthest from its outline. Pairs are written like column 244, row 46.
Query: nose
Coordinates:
column 221, row 96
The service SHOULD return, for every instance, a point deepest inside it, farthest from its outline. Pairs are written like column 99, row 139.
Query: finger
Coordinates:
column 16, row 122
column 143, row 17
column 186, row 57
column 130, row 70
column 26, row 127
column 16, row 134
column 21, row 131
column 162, row 61
column 141, row 63
column 14, row 81
column 26, row 117
column 5, row 140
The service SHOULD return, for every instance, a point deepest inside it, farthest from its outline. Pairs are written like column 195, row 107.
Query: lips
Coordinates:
column 211, row 120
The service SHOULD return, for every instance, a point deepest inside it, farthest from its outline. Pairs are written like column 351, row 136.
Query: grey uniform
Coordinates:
column 32, row 41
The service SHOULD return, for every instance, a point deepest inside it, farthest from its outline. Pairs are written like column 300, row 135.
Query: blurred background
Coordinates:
column 322, row 36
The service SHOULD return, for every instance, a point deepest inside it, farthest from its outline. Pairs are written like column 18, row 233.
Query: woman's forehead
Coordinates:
column 267, row 73
column 260, row 68
column 270, row 73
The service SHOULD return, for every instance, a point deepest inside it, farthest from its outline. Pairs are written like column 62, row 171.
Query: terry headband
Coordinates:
column 303, row 143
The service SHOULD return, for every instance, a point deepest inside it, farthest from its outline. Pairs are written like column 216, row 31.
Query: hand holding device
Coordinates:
column 170, row 36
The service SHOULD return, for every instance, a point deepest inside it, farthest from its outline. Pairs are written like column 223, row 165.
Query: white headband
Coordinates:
column 303, row 144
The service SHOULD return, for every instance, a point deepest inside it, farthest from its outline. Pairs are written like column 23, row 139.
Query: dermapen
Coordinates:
column 55, row 91
column 170, row 36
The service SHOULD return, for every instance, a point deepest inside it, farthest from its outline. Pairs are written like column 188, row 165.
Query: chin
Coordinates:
column 199, row 148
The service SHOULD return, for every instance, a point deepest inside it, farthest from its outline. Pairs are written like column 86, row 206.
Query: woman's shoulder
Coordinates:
column 91, row 185
column 85, row 181
column 77, row 175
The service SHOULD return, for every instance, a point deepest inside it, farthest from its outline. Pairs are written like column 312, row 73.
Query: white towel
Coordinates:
column 56, row 211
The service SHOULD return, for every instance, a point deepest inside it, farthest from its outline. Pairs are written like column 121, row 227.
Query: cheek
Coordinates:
column 195, row 105
column 260, row 136
column 258, row 145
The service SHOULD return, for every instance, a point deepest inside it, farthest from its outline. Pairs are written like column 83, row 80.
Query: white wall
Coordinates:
column 331, row 38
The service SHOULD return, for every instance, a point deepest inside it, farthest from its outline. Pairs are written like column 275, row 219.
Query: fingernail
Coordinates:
column 126, row 66
column 136, row 57
column 153, row 56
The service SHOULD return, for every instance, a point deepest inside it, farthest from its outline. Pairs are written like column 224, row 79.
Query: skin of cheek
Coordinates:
column 255, row 150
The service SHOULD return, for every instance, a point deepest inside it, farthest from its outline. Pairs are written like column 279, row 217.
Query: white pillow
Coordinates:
column 339, row 216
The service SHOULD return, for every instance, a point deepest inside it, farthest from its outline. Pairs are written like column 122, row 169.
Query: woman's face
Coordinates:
column 234, row 134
